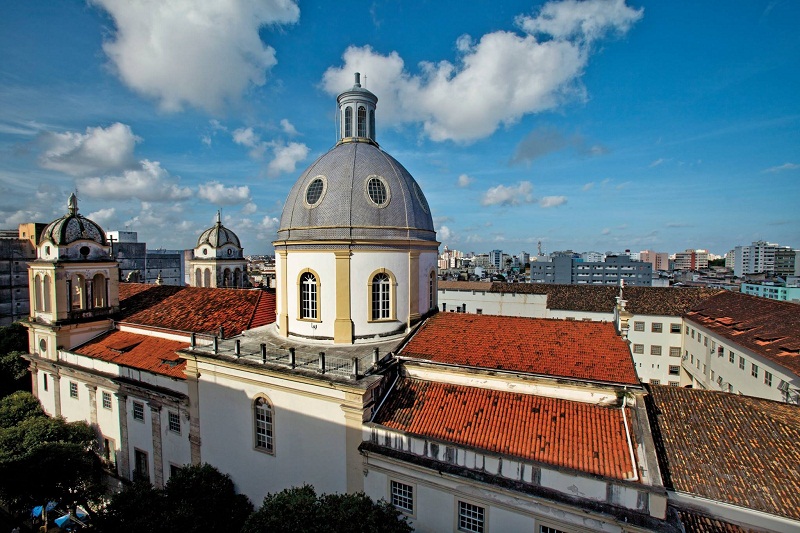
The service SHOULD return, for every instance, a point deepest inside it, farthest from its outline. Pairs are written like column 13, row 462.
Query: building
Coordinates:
column 496, row 259
column 773, row 290
column 757, row 258
column 787, row 262
column 691, row 260
column 568, row 270
column 217, row 259
column 138, row 264
column 659, row 260
column 16, row 248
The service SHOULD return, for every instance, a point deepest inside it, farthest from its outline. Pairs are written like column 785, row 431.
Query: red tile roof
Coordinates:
column 564, row 348
column 696, row 522
column 137, row 351
column 730, row 448
column 767, row 327
column 195, row 309
column 561, row 433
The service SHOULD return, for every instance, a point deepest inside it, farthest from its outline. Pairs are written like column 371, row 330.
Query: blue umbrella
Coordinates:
column 37, row 511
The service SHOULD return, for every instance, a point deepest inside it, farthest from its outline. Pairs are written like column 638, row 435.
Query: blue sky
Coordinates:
column 598, row 125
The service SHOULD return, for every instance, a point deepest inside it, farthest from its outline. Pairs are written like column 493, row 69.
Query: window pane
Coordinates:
column 308, row 296
column 380, row 296
column 263, row 414
column 402, row 496
column 470, row 517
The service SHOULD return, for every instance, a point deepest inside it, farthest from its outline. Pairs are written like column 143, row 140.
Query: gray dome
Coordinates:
column 218, row 235
column 73, row 227
column 356, row 190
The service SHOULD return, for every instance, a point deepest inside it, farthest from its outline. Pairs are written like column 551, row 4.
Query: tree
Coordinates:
column 196, row 499
column 13, row 368
column 300, row 510
column 43, row 458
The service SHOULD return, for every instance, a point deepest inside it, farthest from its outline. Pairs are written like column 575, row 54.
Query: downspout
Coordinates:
column 630, row 445
column 388, row 392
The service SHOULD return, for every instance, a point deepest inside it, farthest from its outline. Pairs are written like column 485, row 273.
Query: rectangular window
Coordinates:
column 106, row 400
column 264, row 435
column 655, row 350
column 699, row 337
column 705, row 341
column 692, row 358
column 173, row 469
column 754, row 370
column 768, row 378
column 731, row 357
column 638, row 326
column 109, row 454
column 470, row 517
column 674, row 384
column 741, row 362
column 141, row 467
column 655, row 382
column 687, row 330
column 138, row 411
column 479, row 311
column 548, row 529
column 712, row 375
column 656, row 327
column 638, row 348
column 174, row 422
column 693, row 333
column 674, row 351
column 44, row 376
column 674, row 328
column 674, row 370
column 73, row 389
column 402, row 496
column 705, row 370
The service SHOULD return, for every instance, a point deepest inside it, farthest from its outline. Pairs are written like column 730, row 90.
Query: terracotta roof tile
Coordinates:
column 574, row 349
column 561, row 433
column 696, row 522
column 195, row 309
column 143, row 352
column 730, row 448
column 767, row 327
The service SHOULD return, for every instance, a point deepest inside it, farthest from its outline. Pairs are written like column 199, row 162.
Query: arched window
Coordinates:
column 372, row 124
column 237, row 278
column 37, row 293
column 348, row 121
column 99, row 291
column 226, row 277
column 308, row 296
column 207, row 278
column 46, row 293
column 362, row 121
column 78, row 293
column 198, row 278
column 265, row 439
column 381, row 296
column 432, row 290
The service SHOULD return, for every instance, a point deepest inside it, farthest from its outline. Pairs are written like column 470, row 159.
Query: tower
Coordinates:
column 217, row 259
column 74, row 283
column 356, row 249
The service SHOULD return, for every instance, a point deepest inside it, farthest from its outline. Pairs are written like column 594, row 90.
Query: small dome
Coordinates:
column 218, row 235
column 73, row 227
column 356, row 190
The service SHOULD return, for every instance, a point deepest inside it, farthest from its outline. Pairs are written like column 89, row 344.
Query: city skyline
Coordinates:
column 598, row 125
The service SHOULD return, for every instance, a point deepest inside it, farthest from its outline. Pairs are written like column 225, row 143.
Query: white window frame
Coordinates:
column 308, row 298
column 174, row 421
column 468, row 523
column 407, row 493
column 140, row 406
column 263, row 425
column 105, row 398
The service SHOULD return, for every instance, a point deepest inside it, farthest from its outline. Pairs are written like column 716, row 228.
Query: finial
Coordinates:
column 72, row 204
column 219, row 220
column 358, row 80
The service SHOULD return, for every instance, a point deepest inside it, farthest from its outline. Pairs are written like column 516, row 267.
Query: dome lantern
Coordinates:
column 357, row 113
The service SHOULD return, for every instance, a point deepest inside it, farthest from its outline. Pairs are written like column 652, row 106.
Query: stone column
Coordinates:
column 34, row 380
column 57, row 394
column 283, row 302
column 123, row 457
column 92, row 405
column 354, row 467
column 158, row 460
column 343, row 325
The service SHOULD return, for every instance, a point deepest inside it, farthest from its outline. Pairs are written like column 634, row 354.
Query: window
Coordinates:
column 263, row 422
column 432, row 290
column 73, row 389
column 548, row 529
column 655, row 350
column 754, row 370
column 348, row 122
column 674, row 370
column 687, row 330
column 692, row 358
column 638, row 326
column 638, row 348
column 674, row 384
column 479, row 311
column 655, row 382
column 138, row 411
column 44, row 377
column 768, row 378
column 315, row 191
column 109, row 454
column 693, row 334
column 470, row 517
column 174, row 422
column 741, row 362
column 705, row 341
column 106, row 400
column 173, row 470
column 362, row 121
column 656, row 327
column 699, row 337
column 381, row 285
column 674, row 351
column 141, row 468
column 674, row 328
column 731, row 357
column 402, row 496
column 378, row 191
column 308, row 296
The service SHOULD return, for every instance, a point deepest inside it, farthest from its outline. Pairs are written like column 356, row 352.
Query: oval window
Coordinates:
column 421, row 197
column 377, row 191
column 205, row 251
column 315, row 191
column 43, row 345
column 230, row 252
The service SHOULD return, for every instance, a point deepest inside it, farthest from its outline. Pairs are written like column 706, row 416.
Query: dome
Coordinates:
column 218, row 235
column 73, row 227
column 356, row 190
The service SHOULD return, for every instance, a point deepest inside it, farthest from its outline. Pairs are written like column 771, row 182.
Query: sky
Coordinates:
column 597, row 125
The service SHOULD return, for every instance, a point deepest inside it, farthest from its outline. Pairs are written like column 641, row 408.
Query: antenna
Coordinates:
column 365, row 81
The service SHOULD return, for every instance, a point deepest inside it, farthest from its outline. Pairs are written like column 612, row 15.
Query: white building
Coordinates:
column 754, row 259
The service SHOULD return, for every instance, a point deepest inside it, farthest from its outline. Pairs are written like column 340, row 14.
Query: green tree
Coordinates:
column 139, row 507
column 300, row 510
column 13, row 368
column 17, row 407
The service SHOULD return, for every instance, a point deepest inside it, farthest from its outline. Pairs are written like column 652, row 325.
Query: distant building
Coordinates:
column 139, row 265
column 787, row 262
column 759, row 257
column 659, row 260
column 773, row 291
column 17, row 247
column 496, row 258
column 691, row 260
column 593, row 257
column 567, row 270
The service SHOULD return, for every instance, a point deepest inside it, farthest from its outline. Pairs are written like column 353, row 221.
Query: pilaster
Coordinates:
column 283, row 295
column 193, row 383
column 92, row 404
column 353, row 416
column 158, row 459
column 57, row 393
column 343, row 325
column 123, row 456
column 413, row 287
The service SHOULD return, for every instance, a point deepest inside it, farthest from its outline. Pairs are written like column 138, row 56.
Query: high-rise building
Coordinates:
column 757, row 258
column 691, row 259
column 659, row 260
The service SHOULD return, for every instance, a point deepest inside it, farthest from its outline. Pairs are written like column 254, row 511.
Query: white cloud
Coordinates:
column 509, row 195
column 288, row 128
column 103, row 216
column 465, row 181
column 286, row 157
column 149, row 183
column 249, row 138
column 496, row 80
column 605, row 231
column 218, row 194
column 780, row 168
column 588, row 187
column 657, row 162
column 269, row 223
column 552, row 201
column 203, row 54
column 97, row 151
column 249, row 208
column 444, row 234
